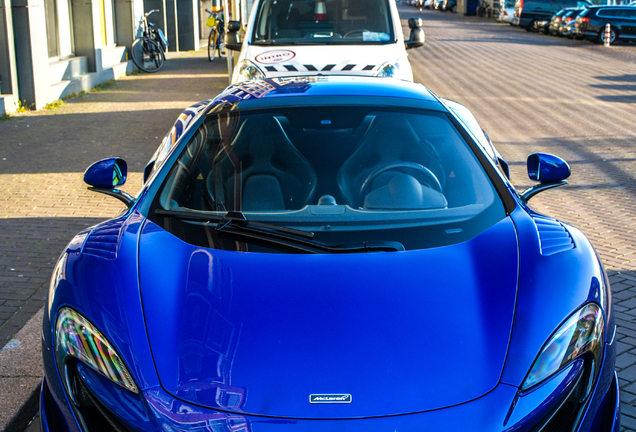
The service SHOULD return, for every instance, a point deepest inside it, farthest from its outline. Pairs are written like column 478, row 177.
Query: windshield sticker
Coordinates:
column 276, row 56
column 374, row 36
column 330, row 398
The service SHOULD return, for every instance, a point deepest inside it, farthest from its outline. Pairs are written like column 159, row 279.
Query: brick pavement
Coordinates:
column 45, row 203
column 532, row 92
column 43, row 154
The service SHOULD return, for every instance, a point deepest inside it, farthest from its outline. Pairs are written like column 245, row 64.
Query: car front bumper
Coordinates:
column 503, row 409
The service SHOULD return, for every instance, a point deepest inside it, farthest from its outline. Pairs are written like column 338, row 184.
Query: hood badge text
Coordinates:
column 330, row 398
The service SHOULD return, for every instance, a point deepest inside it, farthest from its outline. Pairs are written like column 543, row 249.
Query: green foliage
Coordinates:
column 5, row 117
column 69, row 96
column 24, row 107
column 53, row 105
column 103, row 86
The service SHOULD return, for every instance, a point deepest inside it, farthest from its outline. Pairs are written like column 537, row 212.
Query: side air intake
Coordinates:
column 103, row 241
column 553, row 236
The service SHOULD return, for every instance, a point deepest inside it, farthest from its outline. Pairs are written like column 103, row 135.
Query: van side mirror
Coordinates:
column 417, row 36
column 551, row 171
column 232, row 38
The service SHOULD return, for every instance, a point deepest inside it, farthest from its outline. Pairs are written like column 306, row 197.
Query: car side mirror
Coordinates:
column 232, row 40
column 417, row 36
column 105, row 175
column 551, row 171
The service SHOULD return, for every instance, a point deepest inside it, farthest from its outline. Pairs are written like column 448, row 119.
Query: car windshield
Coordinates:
column 300, row 22
column 346, row 175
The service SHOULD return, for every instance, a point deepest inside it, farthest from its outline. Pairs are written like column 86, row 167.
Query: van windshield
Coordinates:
column 309, row 22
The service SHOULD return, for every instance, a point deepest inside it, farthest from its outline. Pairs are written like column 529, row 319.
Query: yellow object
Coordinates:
column 211, row 21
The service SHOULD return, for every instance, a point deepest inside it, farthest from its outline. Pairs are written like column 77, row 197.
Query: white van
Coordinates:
column 329, row 37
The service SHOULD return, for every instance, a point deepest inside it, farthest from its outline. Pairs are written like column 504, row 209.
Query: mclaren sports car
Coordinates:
column 329, row 254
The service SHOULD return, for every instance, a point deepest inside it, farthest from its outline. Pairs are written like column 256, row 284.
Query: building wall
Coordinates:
column 85, row 43
column 8, row 74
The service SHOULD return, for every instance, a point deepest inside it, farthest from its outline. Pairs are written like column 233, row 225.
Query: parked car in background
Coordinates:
column 568, row 30
column 529, row 11
column 541, row 26
column 555, row 21
column 622, row 19
column 429, row 4
column 567, row 22
column 449, row 5
column 507, row 11
column 568, row 25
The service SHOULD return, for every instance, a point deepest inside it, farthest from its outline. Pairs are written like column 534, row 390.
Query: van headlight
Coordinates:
column 76, row 337
column 246, row 70
column 389, row 69
column 582, row 333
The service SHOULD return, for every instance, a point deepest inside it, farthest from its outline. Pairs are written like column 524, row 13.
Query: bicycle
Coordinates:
column 148, row 51
column 216, row 38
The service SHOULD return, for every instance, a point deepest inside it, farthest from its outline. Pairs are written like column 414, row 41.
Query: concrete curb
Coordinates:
column 21, row 375
column 25, row 413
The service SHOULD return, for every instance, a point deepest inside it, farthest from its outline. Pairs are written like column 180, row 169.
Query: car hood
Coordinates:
column 299, row 60
column 388, row 333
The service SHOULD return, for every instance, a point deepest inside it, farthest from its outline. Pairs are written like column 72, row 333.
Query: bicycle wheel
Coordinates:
column 147, row 55
column 212, row 38
column 220, row 43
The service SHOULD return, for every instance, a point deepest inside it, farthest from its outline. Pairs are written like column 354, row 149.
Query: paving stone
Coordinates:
column 628, row 410
column 629, row 373
column 629, row 423
column 627, row 397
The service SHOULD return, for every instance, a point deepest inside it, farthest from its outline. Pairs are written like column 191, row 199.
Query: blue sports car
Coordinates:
column 329, row 254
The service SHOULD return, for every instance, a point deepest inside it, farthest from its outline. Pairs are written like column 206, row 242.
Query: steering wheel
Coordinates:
column 426, row 174
column 355, row 31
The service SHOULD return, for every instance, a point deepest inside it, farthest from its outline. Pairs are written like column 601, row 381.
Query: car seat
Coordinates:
column 389, row 140
column 261, row 170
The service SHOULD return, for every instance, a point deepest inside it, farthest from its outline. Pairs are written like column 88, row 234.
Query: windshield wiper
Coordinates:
column 237, row 219
column 234, row 223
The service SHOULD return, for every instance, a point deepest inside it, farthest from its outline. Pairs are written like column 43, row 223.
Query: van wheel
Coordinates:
column 530, row 27
column 454, row 9
column 601, row 36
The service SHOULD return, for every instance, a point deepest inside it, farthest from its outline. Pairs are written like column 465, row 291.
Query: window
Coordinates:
column 281, row 22
column 348, row 174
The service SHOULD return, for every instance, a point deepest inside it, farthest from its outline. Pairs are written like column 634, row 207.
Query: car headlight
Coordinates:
column 76, row 337
column 389, row 69
column 583, row 333
column 246, row 70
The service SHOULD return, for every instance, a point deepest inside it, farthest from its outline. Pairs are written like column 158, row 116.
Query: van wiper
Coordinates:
column 235, row 223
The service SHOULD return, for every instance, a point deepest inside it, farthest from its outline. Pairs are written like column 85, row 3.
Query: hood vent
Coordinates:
column 103, row 241
column 553, row 236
